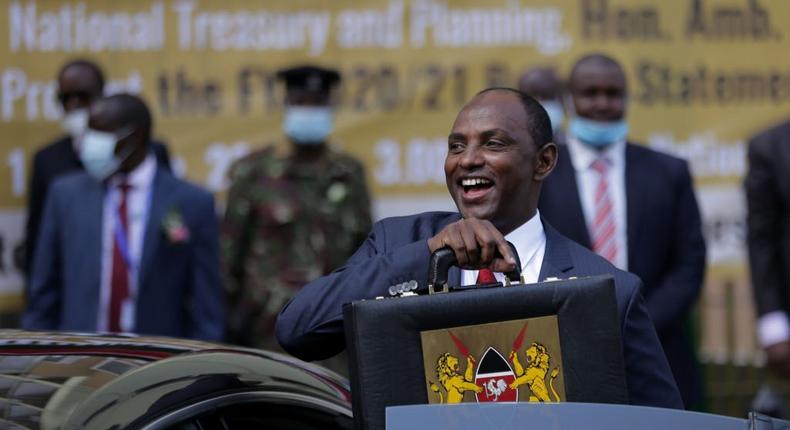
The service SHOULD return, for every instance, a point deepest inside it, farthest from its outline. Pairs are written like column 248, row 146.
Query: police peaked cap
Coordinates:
column 310, row 78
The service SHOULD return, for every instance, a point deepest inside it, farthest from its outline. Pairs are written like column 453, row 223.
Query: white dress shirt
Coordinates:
column 530, row 242
column 773, row 328
column 138, row 201
column 582, row 158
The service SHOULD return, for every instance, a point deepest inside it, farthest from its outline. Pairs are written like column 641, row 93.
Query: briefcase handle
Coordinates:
column 444, row 258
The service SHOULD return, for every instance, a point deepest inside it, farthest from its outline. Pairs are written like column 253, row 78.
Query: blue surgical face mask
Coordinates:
column 598, row 134
column 556, row 113
column 97, row 153
column 308, row 125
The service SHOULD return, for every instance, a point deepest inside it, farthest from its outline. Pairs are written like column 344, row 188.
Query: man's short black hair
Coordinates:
column 130, row 111
column 595, row 58
column 538, row 122
column 90, row 65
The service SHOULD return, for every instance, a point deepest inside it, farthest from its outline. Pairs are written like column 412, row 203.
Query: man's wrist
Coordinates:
column 773, row 328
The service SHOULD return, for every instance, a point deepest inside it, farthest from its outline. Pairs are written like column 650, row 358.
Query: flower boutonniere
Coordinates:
column 175, row 228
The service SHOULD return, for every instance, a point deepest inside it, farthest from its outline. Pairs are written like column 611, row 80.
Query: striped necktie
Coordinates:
column 604, row 223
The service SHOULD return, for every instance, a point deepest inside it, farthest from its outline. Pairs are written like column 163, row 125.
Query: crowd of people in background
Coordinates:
column 116, row 243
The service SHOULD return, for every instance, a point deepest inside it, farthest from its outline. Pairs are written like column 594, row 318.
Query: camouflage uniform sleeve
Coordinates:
column 234, row 237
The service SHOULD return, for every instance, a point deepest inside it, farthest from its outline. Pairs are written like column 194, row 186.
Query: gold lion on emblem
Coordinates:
column 451, row 380
column 534, row 375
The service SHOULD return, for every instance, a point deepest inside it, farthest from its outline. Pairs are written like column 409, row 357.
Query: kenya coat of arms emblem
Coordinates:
column 494, row 378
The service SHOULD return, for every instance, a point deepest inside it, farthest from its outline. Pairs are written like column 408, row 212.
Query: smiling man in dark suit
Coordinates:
column 633, row 206
column 499, row 154
column 125, row 246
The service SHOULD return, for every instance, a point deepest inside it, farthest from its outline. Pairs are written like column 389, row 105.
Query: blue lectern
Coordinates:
column 562, row 416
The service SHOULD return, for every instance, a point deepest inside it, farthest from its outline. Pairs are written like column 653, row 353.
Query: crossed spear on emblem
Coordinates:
column 461, row 347
column 519, row 340
column 465, row 351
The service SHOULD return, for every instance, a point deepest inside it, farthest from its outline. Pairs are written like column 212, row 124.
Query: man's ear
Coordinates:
column 545, row 160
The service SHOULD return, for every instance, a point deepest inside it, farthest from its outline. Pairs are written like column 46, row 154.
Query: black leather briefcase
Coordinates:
column 551, row 341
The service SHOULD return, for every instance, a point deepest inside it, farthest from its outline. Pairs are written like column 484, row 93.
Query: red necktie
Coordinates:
column 119, row 283
column 485, row 276
column 603, row 228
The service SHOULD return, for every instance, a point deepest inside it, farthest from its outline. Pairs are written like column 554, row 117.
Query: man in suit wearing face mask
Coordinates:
column 631, row 205
column 125, row 246
column 80, row 83
column 294, row 212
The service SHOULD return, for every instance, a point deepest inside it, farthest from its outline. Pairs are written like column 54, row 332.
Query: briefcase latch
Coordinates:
column 432, row 289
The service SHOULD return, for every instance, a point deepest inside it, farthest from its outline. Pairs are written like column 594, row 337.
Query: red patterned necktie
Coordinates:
column 119, row 282
column 485, row 276
column 604, row 224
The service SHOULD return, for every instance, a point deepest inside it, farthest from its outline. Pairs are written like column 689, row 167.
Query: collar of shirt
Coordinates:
column 530, row 242
column 140, row 178
column 583, row 155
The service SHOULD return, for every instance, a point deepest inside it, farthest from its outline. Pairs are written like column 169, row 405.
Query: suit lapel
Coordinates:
column 557, row 259
column 565, row 179
column 91, row 206
column 781, row 149
column 632, row 198
column 161, row 200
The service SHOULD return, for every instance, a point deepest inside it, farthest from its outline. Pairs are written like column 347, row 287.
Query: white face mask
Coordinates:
column 75, row 122
column 97, row 153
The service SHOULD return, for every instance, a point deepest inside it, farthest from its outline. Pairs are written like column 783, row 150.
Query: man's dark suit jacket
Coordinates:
column 768, row 196
column 49, row 163
column 311, row 325
column 179, row 291
column 665, row 244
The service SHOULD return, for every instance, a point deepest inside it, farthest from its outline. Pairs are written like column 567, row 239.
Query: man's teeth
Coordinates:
column 474, row 181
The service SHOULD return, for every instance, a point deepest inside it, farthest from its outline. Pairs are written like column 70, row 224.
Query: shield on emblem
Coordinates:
column 495, row 375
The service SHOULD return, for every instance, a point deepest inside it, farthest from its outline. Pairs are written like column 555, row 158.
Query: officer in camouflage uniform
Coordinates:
column 292, row 215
